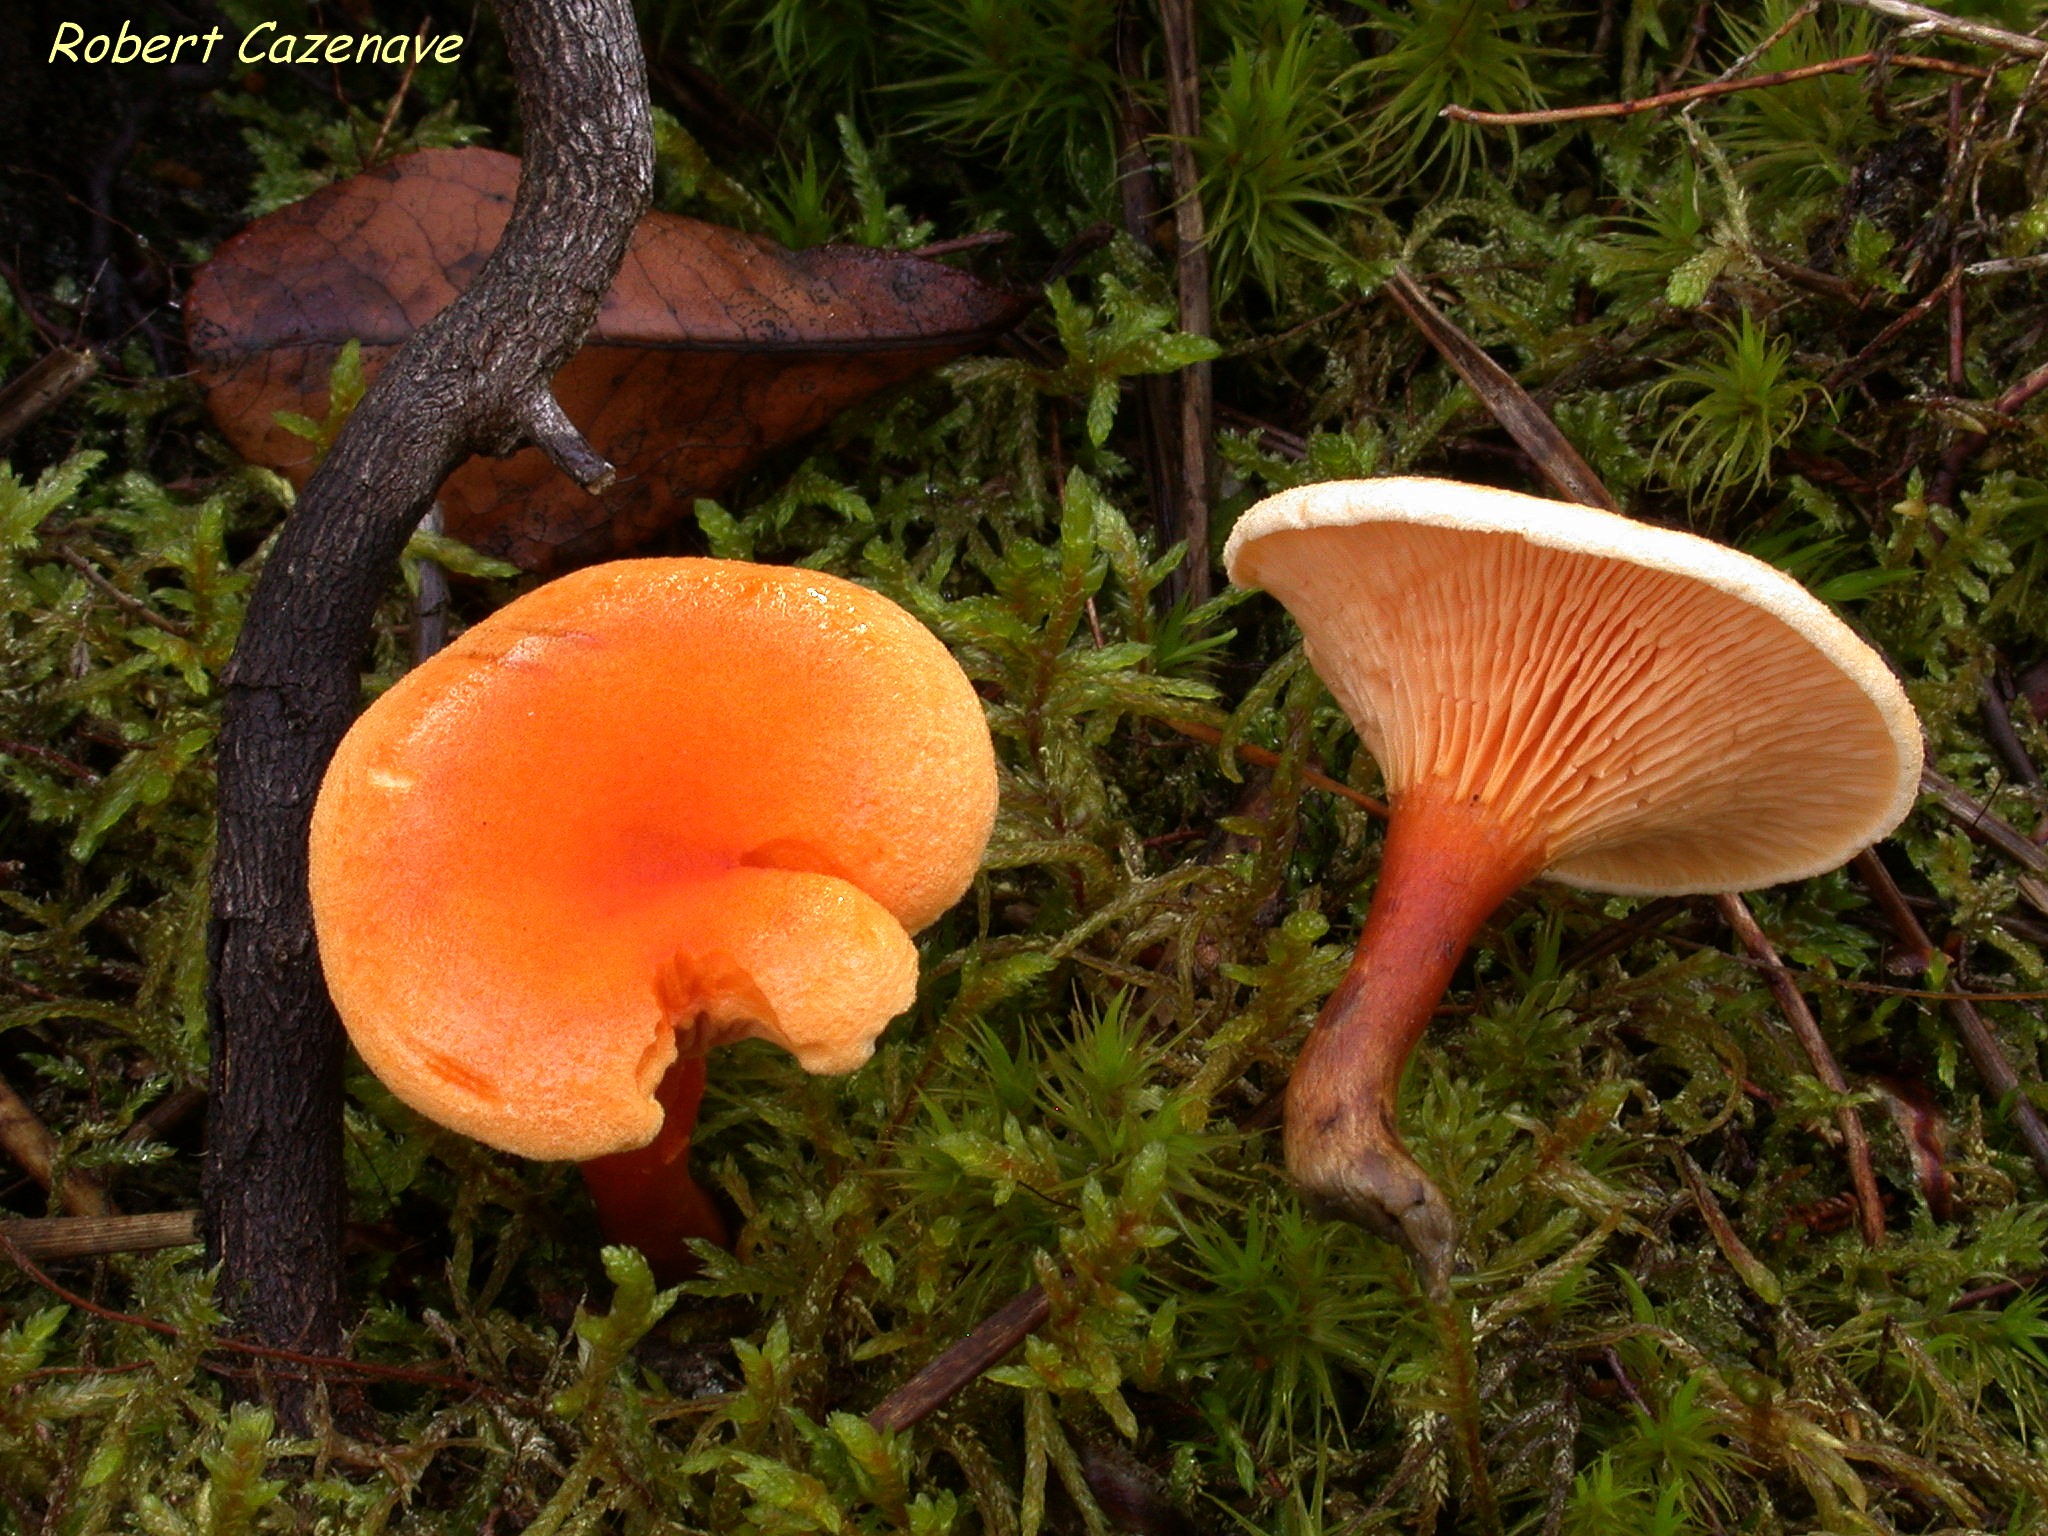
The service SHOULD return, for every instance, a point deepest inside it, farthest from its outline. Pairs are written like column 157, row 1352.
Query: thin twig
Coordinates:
column 43, row 386
column 384, row 128
column 30, row 1144
column 955, row 1368
column 430, row 602
column 1967, row 447
column 974, row 242
column 1982, row 823
column 1884, row 338
column 2003, row 265
column 1870, row 1209
column 1195, row 730
column 1926, row 18
column 164, row 1116
column 1892, row 903
column 1998, row 729
column 48, row 755
column 122, row 600
column 1985, row 1053
column 1509, row 403
column 1691, row 93
column 1197, row 380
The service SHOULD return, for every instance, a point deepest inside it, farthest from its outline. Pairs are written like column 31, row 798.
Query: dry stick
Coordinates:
column 1982, row 823
column 30, row 1143
column 1998, row 729
column 1197, row 380
column 398, row 97
column 475, row 379
column 1884, row 338
column 121, row 600
column 1712, row 88
column 1870, row 1210
column 1139, row 200
column 1002, row 1331
column 1923, row 16
column 43, row 386
column 73, row 1237
column 1500, row 394
column 1985, row 1053
column 1540, row 438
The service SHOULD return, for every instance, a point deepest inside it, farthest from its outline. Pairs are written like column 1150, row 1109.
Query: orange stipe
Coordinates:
column 653, row 804
column 1449, row 863
column 646, row 1197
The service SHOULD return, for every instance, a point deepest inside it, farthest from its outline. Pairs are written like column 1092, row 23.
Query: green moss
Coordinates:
column 1083, row 1097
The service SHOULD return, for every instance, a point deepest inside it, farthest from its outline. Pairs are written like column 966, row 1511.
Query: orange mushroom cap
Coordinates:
column 653, row 805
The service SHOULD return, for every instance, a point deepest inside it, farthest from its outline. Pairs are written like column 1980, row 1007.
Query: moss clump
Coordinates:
column 1665, row 1323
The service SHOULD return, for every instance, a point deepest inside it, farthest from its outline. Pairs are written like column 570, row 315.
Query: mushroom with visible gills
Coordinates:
column 1548, row 690
column 644, row 809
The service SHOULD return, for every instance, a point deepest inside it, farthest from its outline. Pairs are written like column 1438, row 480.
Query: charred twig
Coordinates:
column 1691, row 93
column 472, row 380
column 1986, row 1055
column 1856, row 1147
column 955, row 1368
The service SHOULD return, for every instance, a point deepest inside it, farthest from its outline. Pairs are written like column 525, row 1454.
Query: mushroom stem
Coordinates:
column 646, row 1197
column 1448, row 865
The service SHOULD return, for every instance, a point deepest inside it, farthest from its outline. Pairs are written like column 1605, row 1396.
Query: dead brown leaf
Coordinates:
column 713, row 349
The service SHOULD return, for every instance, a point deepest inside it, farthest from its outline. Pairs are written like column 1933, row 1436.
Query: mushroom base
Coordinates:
column 1447, row 866
column 646, row 1197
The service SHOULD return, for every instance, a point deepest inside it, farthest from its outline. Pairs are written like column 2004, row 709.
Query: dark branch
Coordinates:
column 466, row 383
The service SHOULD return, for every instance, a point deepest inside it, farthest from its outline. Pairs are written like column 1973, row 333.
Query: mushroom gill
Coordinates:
column 1549, row 690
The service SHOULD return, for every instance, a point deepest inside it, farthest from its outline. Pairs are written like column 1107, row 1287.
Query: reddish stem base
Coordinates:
column 646, row 1197
column 1447, row 867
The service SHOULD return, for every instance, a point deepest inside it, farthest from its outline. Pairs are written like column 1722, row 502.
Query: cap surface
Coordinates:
column 651, row 796
column 1667, row 715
